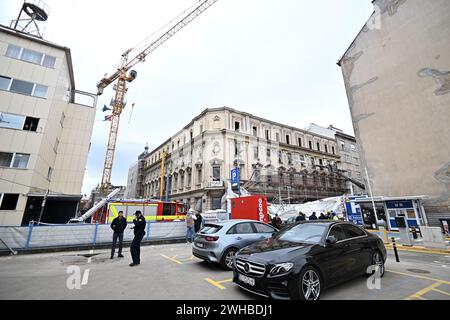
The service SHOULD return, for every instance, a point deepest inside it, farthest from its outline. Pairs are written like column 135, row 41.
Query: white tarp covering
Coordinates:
column 230, row 194
column 288, row 210
column 82, row 234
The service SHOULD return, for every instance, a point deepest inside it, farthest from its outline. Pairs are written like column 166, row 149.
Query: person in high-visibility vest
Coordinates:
column 190, row 224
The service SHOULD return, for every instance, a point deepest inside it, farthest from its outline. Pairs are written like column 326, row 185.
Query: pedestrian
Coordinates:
column 276, row 221
column 323, row 216
column 198, row 224
column 335, row 217
column 190, row 225
column 139, row 233
column 300, row 217
column 313, row 216
column 118, row 225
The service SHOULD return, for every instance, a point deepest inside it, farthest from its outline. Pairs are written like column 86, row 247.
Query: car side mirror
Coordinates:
column 330, row 241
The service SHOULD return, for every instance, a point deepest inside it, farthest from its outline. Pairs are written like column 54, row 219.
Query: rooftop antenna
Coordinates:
column 36, row 11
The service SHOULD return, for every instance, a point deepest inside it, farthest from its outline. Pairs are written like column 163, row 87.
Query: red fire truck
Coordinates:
column 155, row 211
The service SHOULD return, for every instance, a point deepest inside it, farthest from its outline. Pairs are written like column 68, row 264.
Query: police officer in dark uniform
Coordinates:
column 139, row 233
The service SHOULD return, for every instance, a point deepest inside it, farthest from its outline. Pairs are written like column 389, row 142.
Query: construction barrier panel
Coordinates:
column 72, row 235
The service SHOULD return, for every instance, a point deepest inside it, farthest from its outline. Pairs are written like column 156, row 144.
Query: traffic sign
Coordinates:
column 235, row 177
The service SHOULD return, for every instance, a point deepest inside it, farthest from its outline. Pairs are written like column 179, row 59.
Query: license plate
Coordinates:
column 200, row 245
column 246, row 280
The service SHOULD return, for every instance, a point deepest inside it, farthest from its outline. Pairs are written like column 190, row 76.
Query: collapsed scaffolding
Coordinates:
column 291, row 186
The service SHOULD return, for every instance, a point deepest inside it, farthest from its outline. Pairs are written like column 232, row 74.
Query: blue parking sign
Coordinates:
column 235, row 177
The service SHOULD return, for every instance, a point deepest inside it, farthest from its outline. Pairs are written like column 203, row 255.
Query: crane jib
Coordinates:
column 154, row 45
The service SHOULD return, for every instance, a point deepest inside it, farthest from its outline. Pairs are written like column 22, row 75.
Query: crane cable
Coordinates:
column 141, row 45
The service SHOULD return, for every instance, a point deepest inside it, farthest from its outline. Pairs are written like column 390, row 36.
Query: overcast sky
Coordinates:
column 272, row 58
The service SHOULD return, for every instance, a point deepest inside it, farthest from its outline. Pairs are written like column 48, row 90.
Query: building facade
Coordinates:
column 44, row 135
column 348, row 151
column 276, row 160
column 397, row 77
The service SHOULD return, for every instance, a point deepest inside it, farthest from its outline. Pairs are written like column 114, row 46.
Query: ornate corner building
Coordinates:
column 276, row 160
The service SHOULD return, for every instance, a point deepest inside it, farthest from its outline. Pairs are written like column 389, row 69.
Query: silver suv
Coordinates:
column 219, row 242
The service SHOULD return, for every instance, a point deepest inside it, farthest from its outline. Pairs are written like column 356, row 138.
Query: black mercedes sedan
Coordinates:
column 301, row 261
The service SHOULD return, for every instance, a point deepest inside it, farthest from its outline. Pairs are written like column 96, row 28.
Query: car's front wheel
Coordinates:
column 310, row 284
column 228, row 258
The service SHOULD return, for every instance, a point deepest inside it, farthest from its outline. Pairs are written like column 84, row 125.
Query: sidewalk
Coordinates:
column 417, row 247
column 420, row 249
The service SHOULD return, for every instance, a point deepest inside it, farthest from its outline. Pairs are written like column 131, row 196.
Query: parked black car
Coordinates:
column 302, row 260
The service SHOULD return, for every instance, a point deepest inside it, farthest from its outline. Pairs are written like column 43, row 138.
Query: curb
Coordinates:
column 90, row 247
column 419, row 249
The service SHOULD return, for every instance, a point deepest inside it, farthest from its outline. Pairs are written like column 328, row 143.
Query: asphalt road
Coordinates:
column 171, row 272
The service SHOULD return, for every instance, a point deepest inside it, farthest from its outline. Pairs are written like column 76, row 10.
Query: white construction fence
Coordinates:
column 72, row 235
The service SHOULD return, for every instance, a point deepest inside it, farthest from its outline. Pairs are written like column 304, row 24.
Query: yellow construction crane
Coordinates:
column 123, row 75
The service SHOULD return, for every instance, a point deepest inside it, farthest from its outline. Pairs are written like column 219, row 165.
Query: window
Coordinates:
column 333, row 150
column 310, row 144
column 321, row 162
column 267, row 134
column 289, row 156
column 268, row 153
column 40, row 91
column 210, row 229
column 11, row 121
column 31, row 124
column 326, row 148
column 21, row 160
column 5, row 159
column 277, row 137
column 255, row 131
column 353, row 231
column 263, row 228
column 189, row 179
column 216, row 203
column 4, row 83
column 342, row 146
column 22, row 87
column 288, row 139
column 353, row 147
column 318, row 146
column 199, row 176
column 8, row 201
column 236, row 147
column 302, row 158
column 13, row 51
column 256, row 152
column 50, row 173
column 216, row 173
column 236, row 125
column 32, row 56
column 299, row 142
column 49, row 61
column 303, row 233
column 242, row 228
column 338, row 232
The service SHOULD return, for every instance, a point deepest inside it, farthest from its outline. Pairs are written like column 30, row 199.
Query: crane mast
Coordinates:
column 123, row 76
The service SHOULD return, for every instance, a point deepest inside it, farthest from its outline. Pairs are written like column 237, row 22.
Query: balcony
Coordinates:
column 215, row 185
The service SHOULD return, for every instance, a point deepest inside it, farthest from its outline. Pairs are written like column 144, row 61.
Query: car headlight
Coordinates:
column 280, row 269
